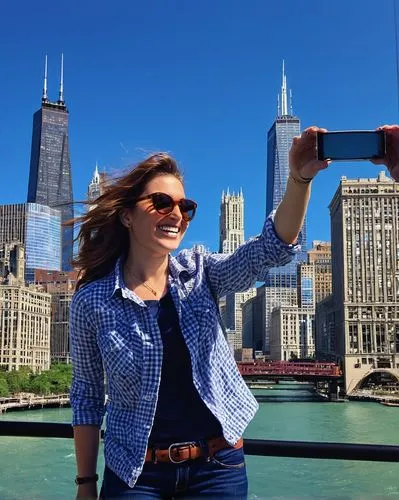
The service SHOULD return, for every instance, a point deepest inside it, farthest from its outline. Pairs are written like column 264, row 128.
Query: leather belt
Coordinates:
column 191, row 450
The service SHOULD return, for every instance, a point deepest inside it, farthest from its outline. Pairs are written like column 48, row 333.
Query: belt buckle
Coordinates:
column 176, row 445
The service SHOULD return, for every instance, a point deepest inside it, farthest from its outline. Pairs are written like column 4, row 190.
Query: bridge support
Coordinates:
column 330, row 389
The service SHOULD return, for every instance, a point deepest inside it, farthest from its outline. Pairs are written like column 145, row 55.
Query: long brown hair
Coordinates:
column 102, row 237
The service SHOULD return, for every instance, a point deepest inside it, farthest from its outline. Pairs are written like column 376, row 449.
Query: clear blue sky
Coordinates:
column 198, row 79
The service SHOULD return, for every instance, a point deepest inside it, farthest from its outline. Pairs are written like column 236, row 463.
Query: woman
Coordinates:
column 177, row 406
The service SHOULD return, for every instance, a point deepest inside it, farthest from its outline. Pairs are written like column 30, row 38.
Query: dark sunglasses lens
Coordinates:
column 163, row 203
column 188, row 208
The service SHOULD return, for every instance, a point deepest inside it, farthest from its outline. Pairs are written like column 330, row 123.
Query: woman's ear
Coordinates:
column 125, row 219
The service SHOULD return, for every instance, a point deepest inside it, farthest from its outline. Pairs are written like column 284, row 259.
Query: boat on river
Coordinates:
column 389, row 403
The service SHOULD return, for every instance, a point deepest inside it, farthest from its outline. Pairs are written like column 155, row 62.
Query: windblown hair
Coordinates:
column 102, row 237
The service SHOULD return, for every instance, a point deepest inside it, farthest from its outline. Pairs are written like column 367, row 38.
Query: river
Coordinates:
column 44, row 469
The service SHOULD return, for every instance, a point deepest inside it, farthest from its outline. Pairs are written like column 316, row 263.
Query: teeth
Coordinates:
column 169, row 229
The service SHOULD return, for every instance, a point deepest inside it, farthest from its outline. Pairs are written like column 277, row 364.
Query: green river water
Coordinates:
column 32, row 468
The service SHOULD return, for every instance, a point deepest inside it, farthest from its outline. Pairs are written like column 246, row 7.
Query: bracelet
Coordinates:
column 84, row 480
column 301, row 180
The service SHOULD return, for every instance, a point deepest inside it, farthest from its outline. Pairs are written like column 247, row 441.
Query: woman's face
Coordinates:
column 153, row 232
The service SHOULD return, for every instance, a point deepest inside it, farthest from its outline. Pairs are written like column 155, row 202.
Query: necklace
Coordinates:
column 146, row 285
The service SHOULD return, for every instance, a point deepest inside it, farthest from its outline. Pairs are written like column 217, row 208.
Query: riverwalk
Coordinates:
column 376, row 396
column 31, row 401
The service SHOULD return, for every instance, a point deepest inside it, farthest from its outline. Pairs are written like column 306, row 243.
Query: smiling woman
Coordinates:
column 177, row 405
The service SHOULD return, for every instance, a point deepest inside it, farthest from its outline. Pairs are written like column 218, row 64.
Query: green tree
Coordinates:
column 41, row 386
column 14, row 381
column 4, row 392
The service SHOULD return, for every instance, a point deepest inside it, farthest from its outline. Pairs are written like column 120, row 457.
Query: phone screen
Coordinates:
column 355, row 145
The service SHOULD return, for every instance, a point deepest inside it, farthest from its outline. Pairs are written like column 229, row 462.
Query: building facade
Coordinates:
column 233, row 324
column 292, row 334
column 61, row 286
column 12, row 263
column 365, row 276
column 231, row 222
column 50, row 175
column 38, row 229
column 25, row 315
column 252, row 333
column 306, row 286
column 270, row 298
column 320, row 257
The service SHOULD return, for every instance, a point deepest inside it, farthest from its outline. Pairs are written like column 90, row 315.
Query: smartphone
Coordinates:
column 351, row 145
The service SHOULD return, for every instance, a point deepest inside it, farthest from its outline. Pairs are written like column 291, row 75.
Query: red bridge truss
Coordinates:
column 282, row 369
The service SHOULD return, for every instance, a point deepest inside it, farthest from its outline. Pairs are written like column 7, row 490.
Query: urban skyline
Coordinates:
column 46, row 170
column 216, row 98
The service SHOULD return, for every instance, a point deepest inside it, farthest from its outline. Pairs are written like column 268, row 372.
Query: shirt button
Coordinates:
column 148, row 397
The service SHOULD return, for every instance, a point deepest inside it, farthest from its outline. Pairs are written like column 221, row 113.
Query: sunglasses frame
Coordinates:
column 172, row 205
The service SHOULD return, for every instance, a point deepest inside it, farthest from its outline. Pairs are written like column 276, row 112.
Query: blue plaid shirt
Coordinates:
column 112, row 330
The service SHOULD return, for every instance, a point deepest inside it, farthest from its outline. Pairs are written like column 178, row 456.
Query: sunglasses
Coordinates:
column 164, row 204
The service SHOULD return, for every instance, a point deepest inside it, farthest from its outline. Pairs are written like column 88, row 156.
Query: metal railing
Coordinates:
column 261, row 447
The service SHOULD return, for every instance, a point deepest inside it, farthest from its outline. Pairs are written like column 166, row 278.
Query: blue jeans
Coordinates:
column 222, row 476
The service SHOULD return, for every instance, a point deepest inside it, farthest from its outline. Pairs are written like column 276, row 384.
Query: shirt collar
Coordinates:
column 176, row 271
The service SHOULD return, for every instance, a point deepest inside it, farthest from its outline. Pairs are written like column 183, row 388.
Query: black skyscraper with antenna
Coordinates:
column 50, row 176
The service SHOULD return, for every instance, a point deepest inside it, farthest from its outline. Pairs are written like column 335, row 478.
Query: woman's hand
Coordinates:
column 303, row 161
column 391, row 159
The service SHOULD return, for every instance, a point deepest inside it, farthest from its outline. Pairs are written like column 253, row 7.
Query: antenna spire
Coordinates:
column 284, row 106
column 44, row 96
column 61, row 96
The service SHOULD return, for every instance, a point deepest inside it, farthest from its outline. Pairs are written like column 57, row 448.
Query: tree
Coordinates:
column 14, row 381
column 4, row 392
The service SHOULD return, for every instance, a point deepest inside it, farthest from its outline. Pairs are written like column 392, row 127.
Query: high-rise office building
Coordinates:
column 279, row 139
column 50, row 176
column 38, row 229
column 231, row 222
column 365, row 278
column 231, row 237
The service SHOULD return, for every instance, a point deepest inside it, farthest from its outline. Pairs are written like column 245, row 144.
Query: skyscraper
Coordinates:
column 38, row 229
column 96, row 186
column 231, row 237
column 50, row 177
column 231, row 222
column 279, row 139
column 365, row 279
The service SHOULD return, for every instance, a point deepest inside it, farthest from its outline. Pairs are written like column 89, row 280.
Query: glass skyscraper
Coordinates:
column 38, row 229
column 50, row 180
column 279, row 140
column 43, row 238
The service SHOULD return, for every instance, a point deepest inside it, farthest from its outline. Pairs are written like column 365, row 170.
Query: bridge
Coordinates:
column 280, row 370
